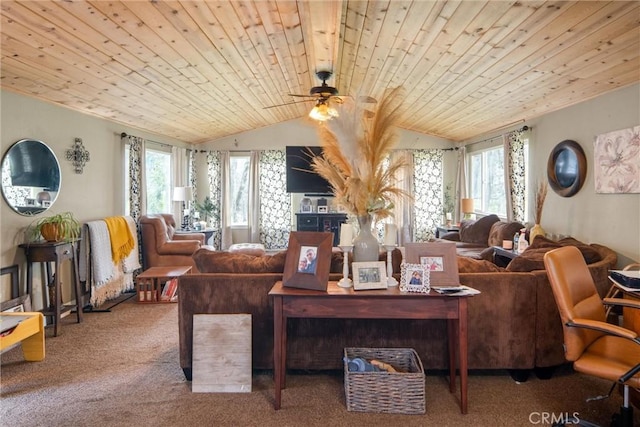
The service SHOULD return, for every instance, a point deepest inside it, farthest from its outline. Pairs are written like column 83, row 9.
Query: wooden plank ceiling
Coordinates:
column 201, row 70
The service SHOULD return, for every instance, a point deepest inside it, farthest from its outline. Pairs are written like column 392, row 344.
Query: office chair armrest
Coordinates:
column 607, row 328
column 622, row 302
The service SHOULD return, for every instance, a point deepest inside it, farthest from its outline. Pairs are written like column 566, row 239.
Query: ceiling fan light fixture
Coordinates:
column 323, row 112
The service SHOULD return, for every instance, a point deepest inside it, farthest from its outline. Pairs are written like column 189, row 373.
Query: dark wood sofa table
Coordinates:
column 390, row 303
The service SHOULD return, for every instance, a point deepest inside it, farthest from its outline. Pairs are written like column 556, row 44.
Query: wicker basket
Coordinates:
column 400, row 392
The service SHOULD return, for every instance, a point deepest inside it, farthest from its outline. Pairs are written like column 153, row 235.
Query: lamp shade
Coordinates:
column 182, row 194
column 466, row 205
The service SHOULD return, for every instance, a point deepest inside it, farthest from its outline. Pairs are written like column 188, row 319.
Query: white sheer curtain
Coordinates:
column 225, row 201
column 179, row 178
column 403, row 205
column 254, row 197
column 461, row 182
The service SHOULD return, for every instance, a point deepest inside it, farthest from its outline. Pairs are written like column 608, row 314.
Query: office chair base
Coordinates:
column 624, row 418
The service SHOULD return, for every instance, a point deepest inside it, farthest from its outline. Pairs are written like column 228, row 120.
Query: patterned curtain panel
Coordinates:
column 427, row 184
column 214, row 172
column 191, row 180
column 514, row 153
column 15, row 195
column 275, row 203
column 136, row 194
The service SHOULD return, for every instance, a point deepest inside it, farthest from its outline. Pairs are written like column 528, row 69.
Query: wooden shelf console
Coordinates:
column 149, row 283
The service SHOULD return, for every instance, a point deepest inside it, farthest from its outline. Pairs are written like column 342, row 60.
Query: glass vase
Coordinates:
column 365, row 245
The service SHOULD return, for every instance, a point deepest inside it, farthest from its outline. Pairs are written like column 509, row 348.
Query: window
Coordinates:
column 158, row 179
column 487, row 181
column 239, row 188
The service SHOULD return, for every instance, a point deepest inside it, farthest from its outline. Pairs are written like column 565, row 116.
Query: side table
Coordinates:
column 56, row 252
column 149, row 282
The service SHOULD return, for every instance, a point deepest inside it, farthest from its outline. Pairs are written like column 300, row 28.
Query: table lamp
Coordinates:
column 466, row 206
column 184, row 195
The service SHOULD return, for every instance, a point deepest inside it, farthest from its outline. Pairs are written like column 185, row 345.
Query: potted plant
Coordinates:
column 61, row 227
column 447, row 204
column 207, row 209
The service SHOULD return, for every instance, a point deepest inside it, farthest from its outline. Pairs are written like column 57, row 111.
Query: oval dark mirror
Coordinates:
column 30, row 177
column 567, row 168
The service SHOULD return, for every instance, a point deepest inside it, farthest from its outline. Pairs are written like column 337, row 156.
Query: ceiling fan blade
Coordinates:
column 303, row 96
column 285, row 104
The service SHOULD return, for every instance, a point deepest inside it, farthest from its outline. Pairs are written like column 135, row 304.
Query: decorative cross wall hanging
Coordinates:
column 78, row 155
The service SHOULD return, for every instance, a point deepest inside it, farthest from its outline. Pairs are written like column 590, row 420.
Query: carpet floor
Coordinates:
column 121, row 368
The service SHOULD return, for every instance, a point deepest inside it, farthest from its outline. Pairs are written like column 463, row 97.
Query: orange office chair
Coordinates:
column 594, row 346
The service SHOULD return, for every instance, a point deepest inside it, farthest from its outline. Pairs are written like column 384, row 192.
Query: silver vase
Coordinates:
column 365, row 245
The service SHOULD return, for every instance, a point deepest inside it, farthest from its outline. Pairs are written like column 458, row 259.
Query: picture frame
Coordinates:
column 414, row 278
column 30, row 202
column 308, row 260
column 306, row 209
column 369, row 275
column 439, row 258
column 323, row 209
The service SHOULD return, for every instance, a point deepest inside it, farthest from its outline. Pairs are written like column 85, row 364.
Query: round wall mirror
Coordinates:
column 567, row 168
column 30, row 177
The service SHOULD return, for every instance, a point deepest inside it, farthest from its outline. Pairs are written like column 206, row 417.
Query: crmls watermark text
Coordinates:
column 549, row 418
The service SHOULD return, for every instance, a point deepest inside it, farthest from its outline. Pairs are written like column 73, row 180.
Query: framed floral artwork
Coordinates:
column 617, row 161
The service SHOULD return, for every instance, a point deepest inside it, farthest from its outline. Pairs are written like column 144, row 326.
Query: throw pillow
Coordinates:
column 533, row 257
column 477, row 231
column 209, row 261
column 503, row 231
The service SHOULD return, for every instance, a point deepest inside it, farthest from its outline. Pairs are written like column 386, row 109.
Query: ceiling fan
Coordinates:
column 322, row 95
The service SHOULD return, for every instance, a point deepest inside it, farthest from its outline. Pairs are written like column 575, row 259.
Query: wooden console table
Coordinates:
column 56, row 252
column 390, row 303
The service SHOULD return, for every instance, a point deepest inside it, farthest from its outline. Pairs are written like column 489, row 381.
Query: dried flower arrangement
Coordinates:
column 355, row 161
column 541, row 194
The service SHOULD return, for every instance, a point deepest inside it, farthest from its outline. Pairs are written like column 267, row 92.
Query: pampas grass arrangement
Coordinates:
column 541, row 194
column 356, row 160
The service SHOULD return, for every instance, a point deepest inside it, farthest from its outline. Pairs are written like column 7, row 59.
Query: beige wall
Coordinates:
column 609, row 219
column 612, row 220
column 96, row 193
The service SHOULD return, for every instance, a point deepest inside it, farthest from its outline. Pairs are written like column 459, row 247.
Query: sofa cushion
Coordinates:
column 533, row 257
column 477, row 231
column 209, row 261
column 503, row 231
column 470, row 265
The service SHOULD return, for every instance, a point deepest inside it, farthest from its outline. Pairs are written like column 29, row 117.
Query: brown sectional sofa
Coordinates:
column 513, row 324
column 475, row 238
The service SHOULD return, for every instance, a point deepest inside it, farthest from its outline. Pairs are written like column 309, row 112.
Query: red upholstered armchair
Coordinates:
column 162, row 246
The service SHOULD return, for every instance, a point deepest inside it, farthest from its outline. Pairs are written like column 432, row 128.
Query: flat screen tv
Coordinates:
column 300, row 176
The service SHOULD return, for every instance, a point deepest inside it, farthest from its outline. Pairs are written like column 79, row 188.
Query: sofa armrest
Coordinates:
column 180, row 247
column 189, row 236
